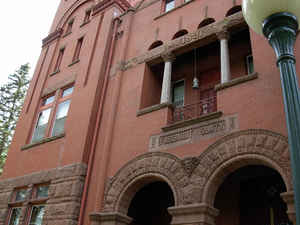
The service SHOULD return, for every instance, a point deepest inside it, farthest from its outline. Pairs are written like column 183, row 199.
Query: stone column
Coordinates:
column 166, row 85
column 225, row 58
column 288, row 198
column 111, row 218
column 200, row 214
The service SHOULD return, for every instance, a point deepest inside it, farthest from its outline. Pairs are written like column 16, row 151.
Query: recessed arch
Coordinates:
column 155, row 44
column 232, row 165
column 234, row 10
column 141, row 171
column 242, row 148
column 206, row 22
column 180, row 33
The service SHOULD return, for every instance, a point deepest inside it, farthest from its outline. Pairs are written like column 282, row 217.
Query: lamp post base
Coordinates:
column 280, row 29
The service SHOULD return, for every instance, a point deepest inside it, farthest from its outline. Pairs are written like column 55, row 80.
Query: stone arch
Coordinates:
column 234, row 10
column 179, row 34
column 248, row 147
column 155, row 44
column 70, row 11
column 141, row 171
column 206, row 22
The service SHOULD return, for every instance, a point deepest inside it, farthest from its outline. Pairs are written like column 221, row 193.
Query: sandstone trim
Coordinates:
column 236, row 81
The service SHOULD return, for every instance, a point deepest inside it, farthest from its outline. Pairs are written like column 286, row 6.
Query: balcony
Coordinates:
column 193, row 111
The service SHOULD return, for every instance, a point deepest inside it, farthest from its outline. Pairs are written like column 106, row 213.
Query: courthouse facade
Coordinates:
column 151, row 112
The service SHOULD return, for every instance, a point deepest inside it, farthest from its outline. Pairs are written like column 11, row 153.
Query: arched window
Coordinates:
column 179, row 34
column 155, row 45
column 234, row 10
column 206, row 22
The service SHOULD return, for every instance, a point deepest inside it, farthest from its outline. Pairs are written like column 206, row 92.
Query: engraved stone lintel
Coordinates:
column 196, row 132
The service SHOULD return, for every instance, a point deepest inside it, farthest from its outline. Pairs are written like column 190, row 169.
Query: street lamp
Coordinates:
column 277, row 20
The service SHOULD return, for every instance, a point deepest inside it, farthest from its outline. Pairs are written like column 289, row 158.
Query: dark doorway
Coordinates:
column 251, row 196
column 149, row 205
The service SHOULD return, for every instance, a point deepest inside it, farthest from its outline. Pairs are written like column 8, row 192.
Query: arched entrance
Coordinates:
column 150, row 203
column 250, row 195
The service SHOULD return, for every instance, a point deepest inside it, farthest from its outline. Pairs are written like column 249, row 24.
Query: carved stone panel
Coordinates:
column 194, row 133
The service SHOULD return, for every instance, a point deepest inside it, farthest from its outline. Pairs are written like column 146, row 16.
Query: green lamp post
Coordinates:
column 278, row 20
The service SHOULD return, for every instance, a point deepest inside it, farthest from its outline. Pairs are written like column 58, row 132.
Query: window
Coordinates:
column 249, row 63
column 20, row 195
column 170, row 4
column 178, row 94
column 15, row 215
column 87, row 16
column 37, row 214
column 69, row 27
column 18, row 198
column 36, row 208
column 77, row 49
column 59, row 59
column 52, row 114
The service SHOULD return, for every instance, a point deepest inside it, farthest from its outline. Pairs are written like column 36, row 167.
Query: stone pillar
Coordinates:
column 225, row 58
column 288, row 198
column 166, row 85
column 200, row 214
column 111, row 218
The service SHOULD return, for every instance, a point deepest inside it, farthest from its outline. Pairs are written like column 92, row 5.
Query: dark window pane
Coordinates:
column 21, row 195
column 42, row 191
column 15, row 216
column 37, row 213
column 178, row 94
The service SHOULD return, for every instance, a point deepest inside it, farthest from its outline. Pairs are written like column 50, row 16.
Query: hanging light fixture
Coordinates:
column 195, row 80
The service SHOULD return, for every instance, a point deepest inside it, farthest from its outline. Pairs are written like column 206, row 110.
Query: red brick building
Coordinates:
column 151, row 112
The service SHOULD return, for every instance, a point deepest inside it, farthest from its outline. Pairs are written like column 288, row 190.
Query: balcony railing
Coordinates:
column 193, row 111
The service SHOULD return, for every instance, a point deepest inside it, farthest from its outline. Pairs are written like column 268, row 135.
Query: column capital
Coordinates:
column 288, row 198
column 168, row 57
column 223, row 34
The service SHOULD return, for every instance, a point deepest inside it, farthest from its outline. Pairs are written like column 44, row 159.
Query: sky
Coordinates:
column 23, row 26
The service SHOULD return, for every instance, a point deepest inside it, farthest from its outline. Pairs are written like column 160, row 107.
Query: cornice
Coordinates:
column 52, row 37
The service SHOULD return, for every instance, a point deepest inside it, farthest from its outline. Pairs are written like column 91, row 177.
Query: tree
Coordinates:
column 12, row 96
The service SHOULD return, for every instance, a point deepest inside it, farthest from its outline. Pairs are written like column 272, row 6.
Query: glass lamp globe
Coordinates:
column 256, row 11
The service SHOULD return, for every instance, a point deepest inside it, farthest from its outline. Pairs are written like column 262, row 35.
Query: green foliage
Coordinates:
column 12, row 96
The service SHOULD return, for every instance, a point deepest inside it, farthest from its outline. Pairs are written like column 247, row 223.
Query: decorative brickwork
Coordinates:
column 66, row 186
column 196, row 180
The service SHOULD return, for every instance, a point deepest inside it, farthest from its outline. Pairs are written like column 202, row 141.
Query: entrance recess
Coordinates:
column 150, row 203
column 251, row 196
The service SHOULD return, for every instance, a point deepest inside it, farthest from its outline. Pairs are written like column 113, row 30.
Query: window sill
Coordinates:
column 55, row 72
column 66, row 34
column 45, row 140
column 74, row 62
column 85, row 23
column 210, row 116
column 165, row 13
column 38, row 201
column 16, row 204
column 153, row 108
column 236, row 81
